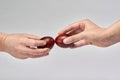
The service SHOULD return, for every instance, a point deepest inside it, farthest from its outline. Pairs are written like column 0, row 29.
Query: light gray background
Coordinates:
column 48, row 17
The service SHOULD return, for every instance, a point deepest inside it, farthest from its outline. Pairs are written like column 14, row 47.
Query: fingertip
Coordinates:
column 61, row 32
column 48, row 49
column 66, row 41
column 45, row 55
column 42, row 42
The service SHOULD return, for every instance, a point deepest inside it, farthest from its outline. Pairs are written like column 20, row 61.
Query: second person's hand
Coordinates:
column 86, row 32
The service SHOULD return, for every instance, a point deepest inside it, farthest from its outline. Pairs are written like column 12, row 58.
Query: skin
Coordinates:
column 86, row 32
column 82, row 33
column 22, row 46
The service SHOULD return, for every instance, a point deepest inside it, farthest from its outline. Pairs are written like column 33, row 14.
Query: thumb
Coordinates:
column 74, row 38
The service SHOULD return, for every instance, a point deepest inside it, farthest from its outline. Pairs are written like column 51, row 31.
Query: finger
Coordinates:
column 72, row 28
column 19, row 56
column 38, row 56
column 77, row 28
column 33, row 55
column 32, row 42
column 69, row 28
column 74, row 38
column 43, row 51
column 80, row 44
column 22, row 57
column 75, row 32
column 31, row 36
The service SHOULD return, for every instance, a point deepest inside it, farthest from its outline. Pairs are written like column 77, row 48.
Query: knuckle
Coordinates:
column 17, row 48
column 86, row 20
column 23, row 40
column 20, row 40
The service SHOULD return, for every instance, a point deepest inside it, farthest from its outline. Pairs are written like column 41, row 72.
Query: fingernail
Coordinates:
column 47, row 49
column 66, row 41
column 44, row 42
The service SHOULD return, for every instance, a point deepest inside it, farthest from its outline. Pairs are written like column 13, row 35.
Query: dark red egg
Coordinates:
column 59, row 41
column 49, row 42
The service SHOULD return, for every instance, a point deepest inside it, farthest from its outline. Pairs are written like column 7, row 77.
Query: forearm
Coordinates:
column 113, row 33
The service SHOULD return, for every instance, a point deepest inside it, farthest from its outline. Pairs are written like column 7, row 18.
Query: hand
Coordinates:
column 86, row 32
column 19, row 46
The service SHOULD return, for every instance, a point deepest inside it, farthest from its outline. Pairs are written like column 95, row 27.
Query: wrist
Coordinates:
column 2, row 41
column 111, row 35
column 115, row 31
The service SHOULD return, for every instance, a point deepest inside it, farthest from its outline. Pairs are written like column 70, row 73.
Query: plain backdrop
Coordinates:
column 48, row 17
